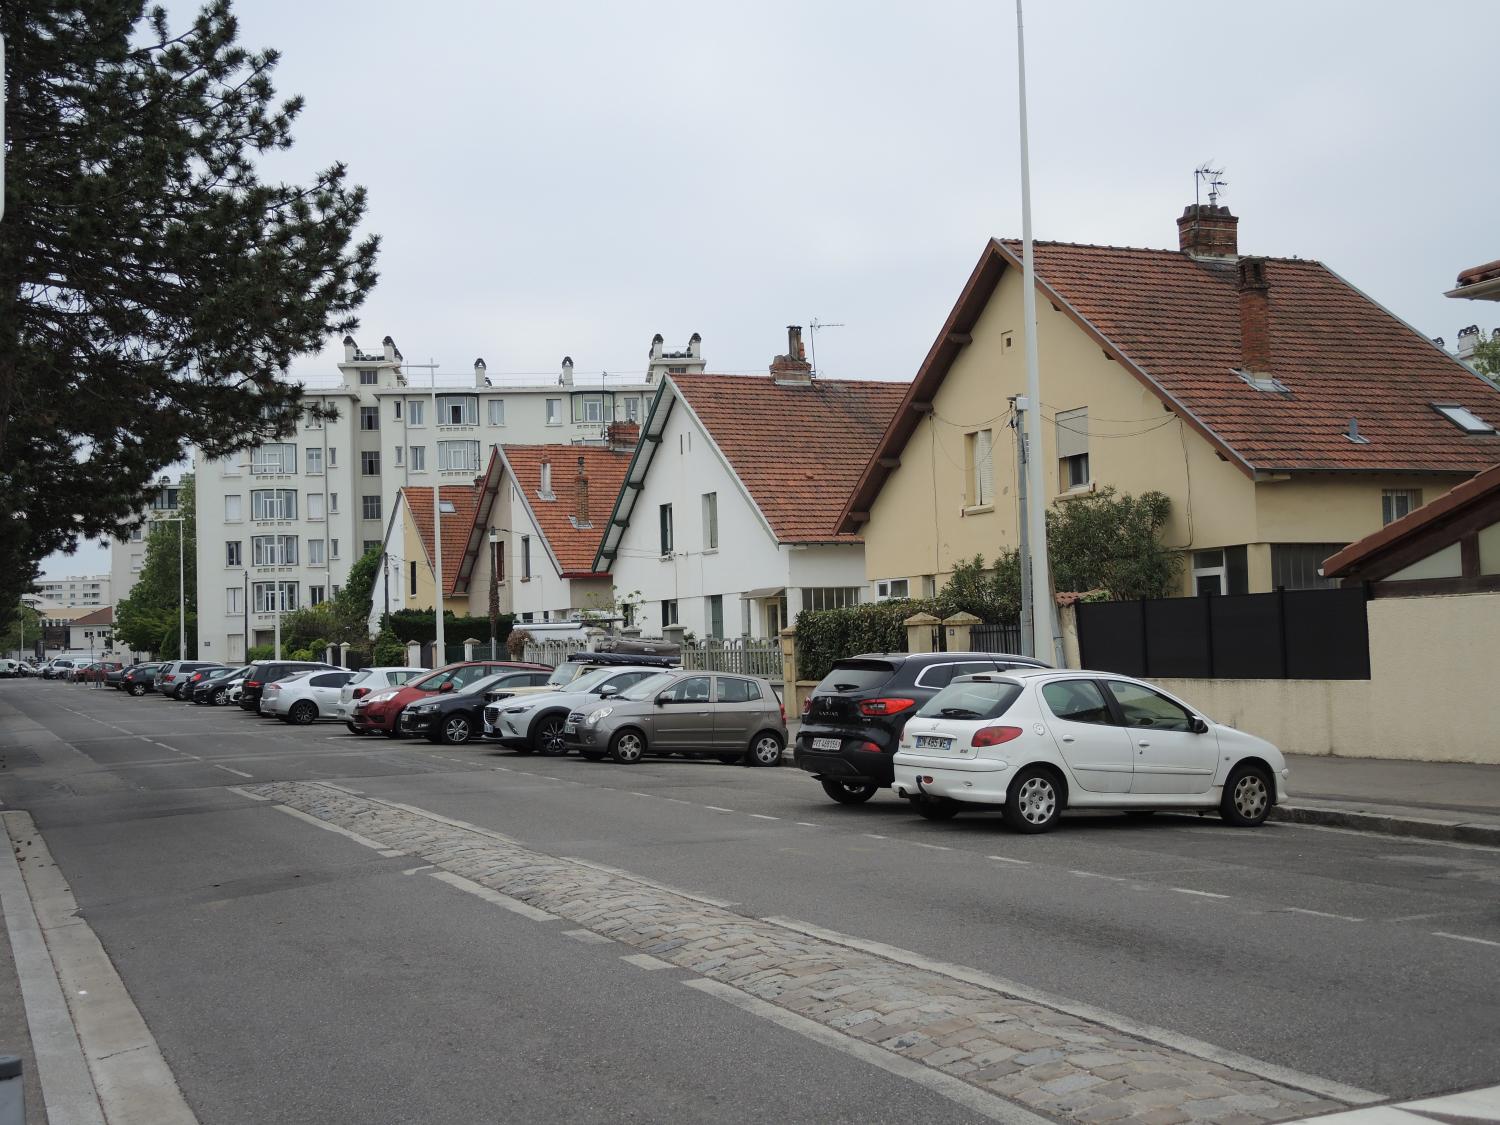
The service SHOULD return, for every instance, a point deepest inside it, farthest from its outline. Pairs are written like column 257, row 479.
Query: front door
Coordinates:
column 685, row 720
column 737, row 710
column 1169, row 756
column 325, row 688
column 1096, row 748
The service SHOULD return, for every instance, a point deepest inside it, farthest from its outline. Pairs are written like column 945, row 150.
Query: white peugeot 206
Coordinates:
column 1033, row 742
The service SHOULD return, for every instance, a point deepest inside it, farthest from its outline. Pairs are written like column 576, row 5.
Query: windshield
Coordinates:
column 590, row 679
column 564, row 673
column 856, row 675
column 972, row 700
column 647, row 687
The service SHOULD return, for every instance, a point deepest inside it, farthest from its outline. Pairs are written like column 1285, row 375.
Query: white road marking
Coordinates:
column 246, row 793
column 954, row 1089
column 806, row 824
column 1465, row 937
column 934, row 847
column 1096, row 875
column 873, row 836
column 633, row 793
column 1324, row 914
column 648, row 962
column 1200, row 894
column 310, row 819
column 478, row 890
column 763, row 816
column 633, row 877
column 1007, row 859
column 391, row 853
column 226, row 769
column 588, row 937
column 504, row 769
column 1338, row 1091
column 415, row 870
column 717, row 808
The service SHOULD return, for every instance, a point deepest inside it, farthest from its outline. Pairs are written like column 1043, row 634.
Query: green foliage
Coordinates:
column 1111, row 541
column 421, row 625
column 23, row 632
column 261, row 652
column 1486, row 357
column 147, row 620
column 992, row 594
column 826, row 635
column 153, row 289
column 389, row 650
column 516, row 643
column 351, row 606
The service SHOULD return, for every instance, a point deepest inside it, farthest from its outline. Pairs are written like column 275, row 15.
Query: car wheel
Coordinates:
column 627, row 746
column 1034, row 802
column 303, row 712
column 592, row 755
column 353, row 729
column 1247, row 797
column 849, row 792
column 457, row 729
column 137, row 690
column 547, row 735
column 766, row 750
column 936, row 808
column 220, row 697
column 730, row 759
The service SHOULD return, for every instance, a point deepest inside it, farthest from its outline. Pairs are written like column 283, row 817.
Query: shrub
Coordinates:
column 421, row 626
column 260, row 652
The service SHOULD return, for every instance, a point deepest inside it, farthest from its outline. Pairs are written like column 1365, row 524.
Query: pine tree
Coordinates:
column 152, row 287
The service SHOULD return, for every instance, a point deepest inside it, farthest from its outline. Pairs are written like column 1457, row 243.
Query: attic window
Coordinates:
column 1269, row 384
column 1466, row 420
column 447, row 508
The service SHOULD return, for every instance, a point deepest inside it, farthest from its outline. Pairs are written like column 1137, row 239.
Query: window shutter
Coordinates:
column 984, row 466
column 1072, row 432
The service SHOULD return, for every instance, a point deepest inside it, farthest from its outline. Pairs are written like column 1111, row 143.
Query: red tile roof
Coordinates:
column 798, row 449
column 456, row 525
column 1487, row 272
column 1173, row 323
column 105, row 616
column 574, row 547
column 1414, row 523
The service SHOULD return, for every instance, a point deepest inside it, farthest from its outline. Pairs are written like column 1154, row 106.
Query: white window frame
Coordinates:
column 1464, row 418
column 315, row 555
column 981, row 468
column 710, row 521
column 273, row 550
column 417, row 458
column 1221, row 572
column 886, row 589
column 274, row 459
column 315, row 506
column 415, row 412
column 234, row 507
column 829, row 597
column 458, row 456
column 234, row 552
column 265, row 595
column 554, row 412
column 369, row 414
column 397, row 463
column 314, row 460
column 234, row 600
column 467, row 408
column 1390, row 500
column 273, row 504
column 496, row 411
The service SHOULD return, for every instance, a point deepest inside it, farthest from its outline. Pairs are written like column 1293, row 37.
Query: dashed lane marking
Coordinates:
column 1465, row 937
column 1200, row 894
column 246, row 793
column 647, row 962
column 806, row 824
column 934, row 847
column 1095, row 875
column 416, row 870
column 717, row 808
column 1324, row 914
column 874, row 836
column 226, row 769
column 310, row 819
column 763, row 816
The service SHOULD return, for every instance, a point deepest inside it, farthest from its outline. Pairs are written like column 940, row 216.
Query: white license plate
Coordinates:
column 827, row 743
column 570, row 728
column 933, row 742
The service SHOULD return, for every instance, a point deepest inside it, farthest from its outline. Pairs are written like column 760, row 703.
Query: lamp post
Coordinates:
column 441, row 656
column 181, row 594
column 494, row 587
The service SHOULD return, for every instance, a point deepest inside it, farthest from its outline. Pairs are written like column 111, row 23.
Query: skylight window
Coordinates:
column 1466, row 420
column 1269, row 384
column 447, row 508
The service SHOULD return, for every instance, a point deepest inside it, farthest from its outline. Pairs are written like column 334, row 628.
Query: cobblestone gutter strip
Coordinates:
column 1047, row 1060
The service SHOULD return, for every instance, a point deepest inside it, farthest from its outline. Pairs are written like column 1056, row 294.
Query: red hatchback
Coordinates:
column 380, row 712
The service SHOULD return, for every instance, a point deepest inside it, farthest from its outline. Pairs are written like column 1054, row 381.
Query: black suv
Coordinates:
column 263, row 672
column 852, row 721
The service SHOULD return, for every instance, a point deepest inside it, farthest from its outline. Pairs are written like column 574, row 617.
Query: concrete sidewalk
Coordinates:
column 1432, row 800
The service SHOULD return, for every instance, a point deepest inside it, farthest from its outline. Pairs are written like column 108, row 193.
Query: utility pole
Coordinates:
column 441, row 656
column 1043, row 606
column 1028, row 627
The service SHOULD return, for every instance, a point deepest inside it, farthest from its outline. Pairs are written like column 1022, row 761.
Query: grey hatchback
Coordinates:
column 695, row 714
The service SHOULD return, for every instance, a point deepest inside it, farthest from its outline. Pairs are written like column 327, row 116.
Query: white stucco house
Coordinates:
column 726, row 523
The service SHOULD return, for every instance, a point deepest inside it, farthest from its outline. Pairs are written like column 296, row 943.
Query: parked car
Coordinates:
column 9, row 669
column 57, row 668
column 380, row 710
column 114, row 675
column 533, row 723
column 306, row 697
column 582, row 663
column 263, row 672
column 458, row 716
column 188, row 681
column 213, row 689
column 174, row 673
column 368, row 681
column 696, row 714
column 140, row 679
column 1032, row 743
column 852, row 721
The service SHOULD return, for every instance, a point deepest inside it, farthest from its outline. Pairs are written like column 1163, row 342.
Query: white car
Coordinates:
column 305, row 697
column 367, row 681
column 1033, row 742
column 534, row 723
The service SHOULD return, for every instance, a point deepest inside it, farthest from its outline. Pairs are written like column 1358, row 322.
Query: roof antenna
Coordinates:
column 1203, row 174
column 812, row 336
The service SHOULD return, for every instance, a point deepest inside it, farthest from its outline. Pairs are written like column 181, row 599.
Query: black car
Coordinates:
column 458, row 716
column 114, row 676
column 263, row 672
column 213, row 688
column 189, row 678
column 139, row 680
column 852, row 722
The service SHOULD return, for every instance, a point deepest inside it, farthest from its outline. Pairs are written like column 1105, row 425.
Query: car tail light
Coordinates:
column 868, row 747
column 885, row 706
column 361, row 692
column 994, row 736
column 168, row 677
column 252, row 683
column 807, row 705
column 783, row 713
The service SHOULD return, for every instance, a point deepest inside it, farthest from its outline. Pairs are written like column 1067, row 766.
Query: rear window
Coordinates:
column 973, row 699
column 856, row 675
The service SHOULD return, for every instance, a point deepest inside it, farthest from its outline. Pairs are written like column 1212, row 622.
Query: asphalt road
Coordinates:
column 291, row 975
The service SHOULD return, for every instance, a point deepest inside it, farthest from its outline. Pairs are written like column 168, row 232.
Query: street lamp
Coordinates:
column 441, row 656
column 494, row 587
column 181, row 597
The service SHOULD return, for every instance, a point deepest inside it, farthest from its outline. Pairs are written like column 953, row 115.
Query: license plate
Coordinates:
column 570, row 728
column 933, row 742
column 827, row 743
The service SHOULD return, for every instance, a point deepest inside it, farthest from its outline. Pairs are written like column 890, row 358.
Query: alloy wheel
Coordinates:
column 456, row 729
column 628, row 747
column 550, row 738
column 766, row 751
column 1037, row 800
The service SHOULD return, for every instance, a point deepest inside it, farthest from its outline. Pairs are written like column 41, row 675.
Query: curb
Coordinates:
column 1391, row 824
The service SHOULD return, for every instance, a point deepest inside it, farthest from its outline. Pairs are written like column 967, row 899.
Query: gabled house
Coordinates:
column 539, row 516
column 727, row 523
column 407, row 576
column 1283, row 412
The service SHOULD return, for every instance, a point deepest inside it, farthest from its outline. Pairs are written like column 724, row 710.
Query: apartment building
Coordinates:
column 280, row 526
column 74, row 592
column 127, row 554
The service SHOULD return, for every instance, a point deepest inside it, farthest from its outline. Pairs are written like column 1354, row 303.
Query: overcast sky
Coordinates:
column 570, row 178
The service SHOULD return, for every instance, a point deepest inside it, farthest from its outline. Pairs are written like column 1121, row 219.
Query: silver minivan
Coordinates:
column 695, row 714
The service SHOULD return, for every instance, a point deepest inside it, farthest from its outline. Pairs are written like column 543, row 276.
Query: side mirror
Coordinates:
column 446, row 687
column 663, row 699
column 1197, row 725
column 608, row 690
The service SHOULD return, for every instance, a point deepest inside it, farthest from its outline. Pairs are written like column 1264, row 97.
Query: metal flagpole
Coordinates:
column 1043, row 607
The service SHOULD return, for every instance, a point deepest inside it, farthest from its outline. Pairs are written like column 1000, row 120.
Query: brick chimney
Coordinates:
column 623, row 435
column 581, row 497
column 1208, row 231
column 1255, row 316
column 792, row 369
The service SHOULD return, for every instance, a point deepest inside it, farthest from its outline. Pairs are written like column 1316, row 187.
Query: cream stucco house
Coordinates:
column 407, row 578
column 1283, row 412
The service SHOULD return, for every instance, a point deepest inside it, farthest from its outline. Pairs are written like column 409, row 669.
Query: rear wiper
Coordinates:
column 845, row 687
column 958, row 713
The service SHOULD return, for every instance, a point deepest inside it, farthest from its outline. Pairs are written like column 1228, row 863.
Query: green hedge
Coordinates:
column 421, row 626
column 826, row 635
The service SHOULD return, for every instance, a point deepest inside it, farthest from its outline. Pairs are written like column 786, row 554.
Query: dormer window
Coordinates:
column 446, row 507
column 1465, row 419
column 1267, row 384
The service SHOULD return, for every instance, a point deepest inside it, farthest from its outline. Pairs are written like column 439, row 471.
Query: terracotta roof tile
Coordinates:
column 105, row 616
column 456, row 524
column 1339, row 353
column 798, row 449
column 574, row 546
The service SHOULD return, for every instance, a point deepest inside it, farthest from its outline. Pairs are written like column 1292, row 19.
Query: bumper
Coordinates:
column 375, row 720
column 843, row 765
column 410, row 723
column 981, row 780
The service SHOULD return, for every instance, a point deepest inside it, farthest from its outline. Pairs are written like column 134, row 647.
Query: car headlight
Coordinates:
column 382, row 697
column 599, row 713
column 425, row 709
column 518, row 710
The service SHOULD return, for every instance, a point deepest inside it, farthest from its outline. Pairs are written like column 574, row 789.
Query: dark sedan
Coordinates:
column 139, row 680
column 458, row 716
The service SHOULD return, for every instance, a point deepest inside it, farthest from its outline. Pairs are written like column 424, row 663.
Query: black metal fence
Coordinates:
column 996, row 638
column 1288, row 635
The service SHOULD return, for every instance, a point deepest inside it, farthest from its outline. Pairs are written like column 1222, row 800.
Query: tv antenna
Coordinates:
column 812, row 335
column 1202, row 175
